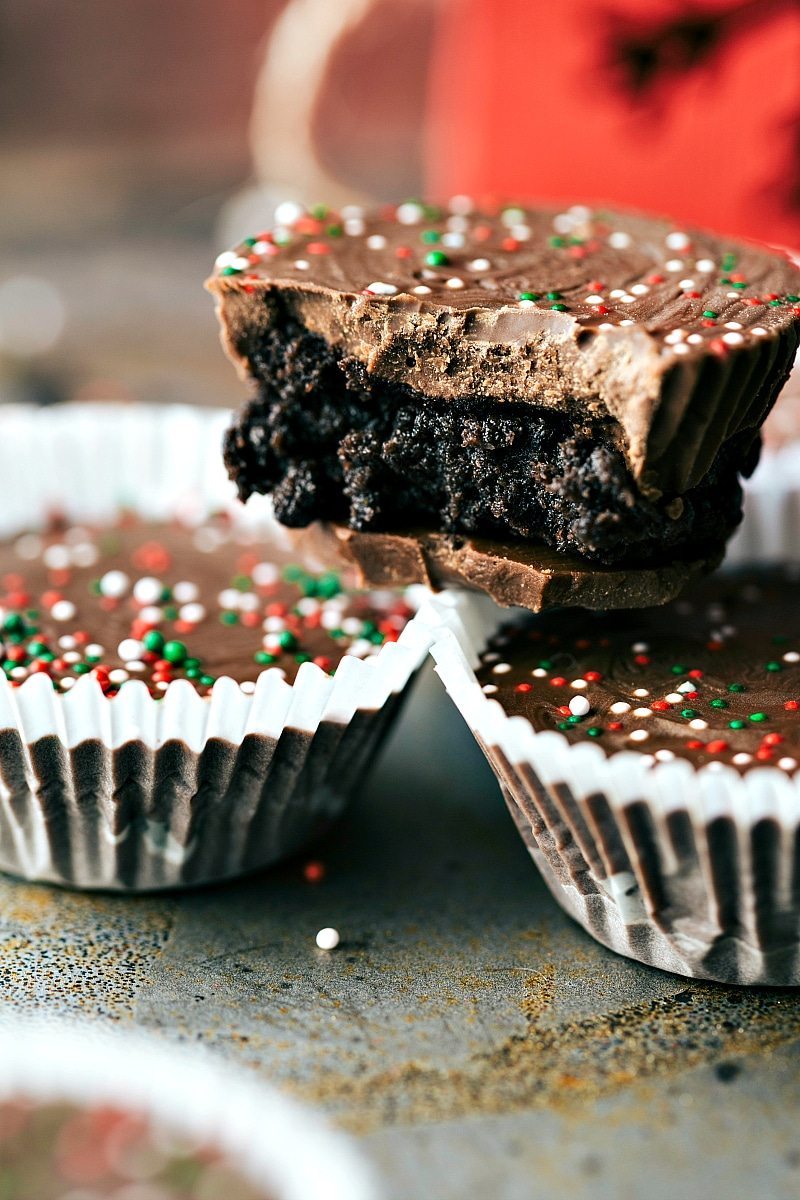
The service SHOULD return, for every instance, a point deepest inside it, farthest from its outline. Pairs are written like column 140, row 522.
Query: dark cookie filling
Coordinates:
column 331, row 443
column 713, row 677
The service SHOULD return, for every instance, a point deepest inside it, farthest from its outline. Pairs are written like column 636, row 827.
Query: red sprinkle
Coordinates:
column 642, row 660
column 695, row 745
column 314, row 872
column 660, row 706
column 558, row 681
column 772, row 739
column 592, row 676
column 717, row 746
column 524, row 687
column 792, row 705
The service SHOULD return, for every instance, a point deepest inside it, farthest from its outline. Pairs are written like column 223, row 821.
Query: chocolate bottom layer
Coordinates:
column 332, row 442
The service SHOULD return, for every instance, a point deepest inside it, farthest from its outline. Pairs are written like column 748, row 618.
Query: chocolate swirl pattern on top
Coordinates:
column 712, row 677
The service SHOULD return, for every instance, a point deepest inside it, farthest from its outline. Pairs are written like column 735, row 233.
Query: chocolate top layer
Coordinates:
column 611, row 313
column 712, row 677
column 164, row 602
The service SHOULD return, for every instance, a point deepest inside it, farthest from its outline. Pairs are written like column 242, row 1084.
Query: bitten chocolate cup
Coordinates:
column 132, row 792
column 679, row 861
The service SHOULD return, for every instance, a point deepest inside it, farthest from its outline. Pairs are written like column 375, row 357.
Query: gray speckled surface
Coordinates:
column 475, row 1040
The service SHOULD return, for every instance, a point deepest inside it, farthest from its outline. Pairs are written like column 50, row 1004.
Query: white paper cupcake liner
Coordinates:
column 277, row 1144
column 695, row 871
column 133, row 793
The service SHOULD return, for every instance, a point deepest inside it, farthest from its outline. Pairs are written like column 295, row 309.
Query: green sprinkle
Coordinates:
column 93, row 658
column 437, row 258
column 174, row 652
column 545, row 664
column 564, row 725
column 36, row 648
column 678, row 669
column 553, row 295
column 249, row 242
column 740, row 286
column 329, row 585
column 81, row 668
column 319, row 212
column 94, row 588
column 558, row 307
column 736, row 687
column 574, row 719
column 689, row 713
column 193, row 672
column 558, row 242
column 302, row 658
column 171, row 612
column 709, row 314
column 207, row 680
column 337, row 633
column 14, row 623
column 334, row 231
column 191, row 664
column 230, row 271
column 287, row 640
column 773, row 666
column 154, row 641
column 293, row 573
column 757, row 717
column 263, row 658
column 430, row 237
column 736, row 724
column 243, row 583
column 528, row 296
column 594, row 731
column 728, row 261
column 229, row 618
column 719, row 703
column 793, row 299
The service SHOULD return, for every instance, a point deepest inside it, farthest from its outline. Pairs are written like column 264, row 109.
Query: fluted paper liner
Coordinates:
column 276, row 1143
column 695, row 871
column 135, row 793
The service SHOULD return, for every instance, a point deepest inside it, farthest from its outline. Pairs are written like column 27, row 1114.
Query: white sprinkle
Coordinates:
column 307, row 605
column 620, row 707
column 619, row 240
column 579, row 212
column 114, row 584
column 71, row 656
column 184, row 592
column 791, row 656
column 379, row 288
column 640, row 647
column 376, row 241
column 457, row 224
column 162, row 687
column 264, row 248
column 579, row 684
column 151, row 614
column 409, row 214
column 695, row 338
column 455, row 282
column 594, row 299
column 606, row 325
column 732, row 339
column 453, row 241
column 538, row 673
column 95, row 650
column 66, row 684
column 28, row 546
column 758, row 331
column 301, row 264
column 579, row 706
column 674, row 264
column 490, row 688
column 628, row 300
column 617, row 293
column 679, row 349
column 564, row 223
column 479, row 264
column 147, row 590
column 512, row 216
column 192, row 613
column 328, row 939
column 350, row 211
column 422, row 290
column 627, row 322
column 63, row 610
column 56, row 557
column 136, row 665
column 248, row 602
column 705, row 265
column 639, row 735
column 520, row 232
column 525, row 304
column 732, row 296
column 501, row 668
column 698, row 723
column 118, row 675
column 675, row 335
column 229, row 598
column 676, row 240
column 226, row 259
column 248, row 687
column 686, row 284
column 277, row 625
column 85, row 554
column 240, row 263
column 19, row 673
column 640, row 693
column 460, row 204
column 129, row 649
column 643, row 712
column 67, row 642
column 664, row 755
column 687, row 686
column 287, row 212
column 354, row 226
column 742, row 759
column 265, row 573
column 674, row 698
column 640, row 289
column 787, row 764
column 733, row 324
